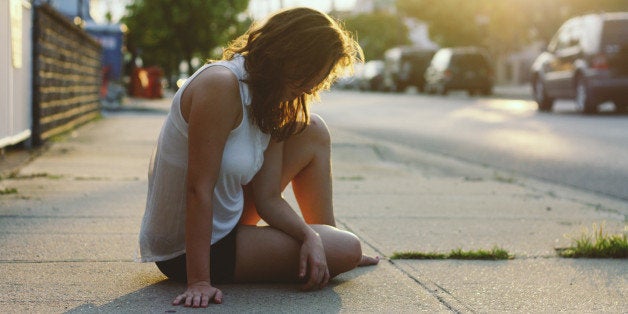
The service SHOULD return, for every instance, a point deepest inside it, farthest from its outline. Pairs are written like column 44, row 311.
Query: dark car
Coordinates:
column 405, row 66
column 587, row 60
column 460, row 68
column 372, row 76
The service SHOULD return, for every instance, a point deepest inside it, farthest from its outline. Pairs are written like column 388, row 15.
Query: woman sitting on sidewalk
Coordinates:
column 237, row 133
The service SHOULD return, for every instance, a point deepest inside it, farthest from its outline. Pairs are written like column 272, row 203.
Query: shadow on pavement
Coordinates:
column 157, row 297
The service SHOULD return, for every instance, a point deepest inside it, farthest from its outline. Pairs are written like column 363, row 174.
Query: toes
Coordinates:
column 368, row 261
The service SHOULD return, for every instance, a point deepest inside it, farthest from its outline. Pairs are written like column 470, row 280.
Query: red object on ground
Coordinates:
column 146, row 82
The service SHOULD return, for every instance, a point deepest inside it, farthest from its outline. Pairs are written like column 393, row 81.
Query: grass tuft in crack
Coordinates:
column 494, row 254
column 7, row 191
column 596, row 244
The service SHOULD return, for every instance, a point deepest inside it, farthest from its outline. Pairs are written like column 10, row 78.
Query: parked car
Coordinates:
column 350, row 80
column 459, row 68
column 587, row 60
column 405, row 66
column 372, row 76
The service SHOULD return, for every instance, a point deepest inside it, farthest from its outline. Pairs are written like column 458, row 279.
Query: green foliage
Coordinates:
column 495, row 253
column 502, row 26
column 164, row 32
column 597, row 244
column 377, row 32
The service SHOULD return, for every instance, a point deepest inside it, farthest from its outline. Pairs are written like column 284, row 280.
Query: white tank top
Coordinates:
column 162, row 234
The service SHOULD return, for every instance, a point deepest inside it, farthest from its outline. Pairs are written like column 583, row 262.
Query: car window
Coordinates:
column 440, row 59
column 615, row 32
column 469, row 61
column 564, row 37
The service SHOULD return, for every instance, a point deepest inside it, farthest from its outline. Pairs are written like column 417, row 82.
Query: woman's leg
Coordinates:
column 265, row 254
column 307, row 164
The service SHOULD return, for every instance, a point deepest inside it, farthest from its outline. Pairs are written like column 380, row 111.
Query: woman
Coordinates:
column 238, row 132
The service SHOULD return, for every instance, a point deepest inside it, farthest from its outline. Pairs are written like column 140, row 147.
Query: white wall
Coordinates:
column 15, row 71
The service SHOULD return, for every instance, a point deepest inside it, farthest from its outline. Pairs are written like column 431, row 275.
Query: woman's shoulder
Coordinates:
column 218, row 75
column 213, row 80
column 215, row 87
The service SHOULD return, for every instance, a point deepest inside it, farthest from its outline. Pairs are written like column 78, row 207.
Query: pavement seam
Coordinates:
column 441, row 294
column 432, row 288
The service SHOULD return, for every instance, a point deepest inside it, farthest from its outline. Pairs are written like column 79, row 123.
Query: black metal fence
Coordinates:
column 66, row 75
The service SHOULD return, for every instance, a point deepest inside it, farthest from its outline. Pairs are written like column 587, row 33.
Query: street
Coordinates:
column 563, row 147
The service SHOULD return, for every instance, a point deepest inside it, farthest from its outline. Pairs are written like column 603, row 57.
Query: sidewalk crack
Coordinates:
column 441, row 294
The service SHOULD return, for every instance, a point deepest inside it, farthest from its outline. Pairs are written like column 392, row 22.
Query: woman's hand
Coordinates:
column 313, row 263
column 199, row 294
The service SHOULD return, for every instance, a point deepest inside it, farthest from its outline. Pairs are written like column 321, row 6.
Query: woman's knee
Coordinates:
column 343, row 249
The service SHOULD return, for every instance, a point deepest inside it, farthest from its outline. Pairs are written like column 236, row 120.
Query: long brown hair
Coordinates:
column 291, row 47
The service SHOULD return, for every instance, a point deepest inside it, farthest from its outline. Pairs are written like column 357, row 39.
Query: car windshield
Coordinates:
column 615, row 32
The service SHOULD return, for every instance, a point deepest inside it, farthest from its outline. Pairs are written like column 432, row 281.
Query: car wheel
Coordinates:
column 442, row 89
column 540, row 95
column 621, row 105
column 584, row 100
column 400, row 88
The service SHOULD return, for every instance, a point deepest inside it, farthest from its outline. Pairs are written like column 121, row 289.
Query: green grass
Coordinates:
column 500, row 178
column 18, row 176
column 494, row 254
column 352, row 178
column 418, row 255
column 596, row 244
column 7, row 191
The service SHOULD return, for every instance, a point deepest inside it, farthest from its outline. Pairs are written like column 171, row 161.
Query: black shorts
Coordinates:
column 222, row 262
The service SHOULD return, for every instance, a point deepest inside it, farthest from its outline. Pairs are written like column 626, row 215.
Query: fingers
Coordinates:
column 303, row 264
column 326, row 278
column 218, row 297
column 198, row 299
column 178, row 299
column 318, row 276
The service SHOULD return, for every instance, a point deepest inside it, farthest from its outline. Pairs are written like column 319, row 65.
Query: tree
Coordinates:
column 377, row 32
column 164, row 32
column 501, row 26
column 451, row 22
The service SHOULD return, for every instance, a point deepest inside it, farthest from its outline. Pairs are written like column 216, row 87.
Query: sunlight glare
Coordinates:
column 496, row 110
column 539, row 144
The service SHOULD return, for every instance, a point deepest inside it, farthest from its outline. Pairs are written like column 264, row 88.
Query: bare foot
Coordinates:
column 368, row 261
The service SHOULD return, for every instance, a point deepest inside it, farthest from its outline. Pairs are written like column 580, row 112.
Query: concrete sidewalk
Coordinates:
column 69, row 232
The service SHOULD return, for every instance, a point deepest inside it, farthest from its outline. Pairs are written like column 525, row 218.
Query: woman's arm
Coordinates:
column 212, row 107
column 273, row 208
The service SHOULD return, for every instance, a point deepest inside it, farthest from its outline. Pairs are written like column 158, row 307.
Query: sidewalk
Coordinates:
column 69, row 232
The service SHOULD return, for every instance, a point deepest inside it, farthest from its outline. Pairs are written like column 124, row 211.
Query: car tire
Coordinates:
column 400, row 88
column 544, row 102
column 442, row 90
column 584, row 99
column 621, row 105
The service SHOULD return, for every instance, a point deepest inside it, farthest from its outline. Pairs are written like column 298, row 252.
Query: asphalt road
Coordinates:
column 564, row 147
